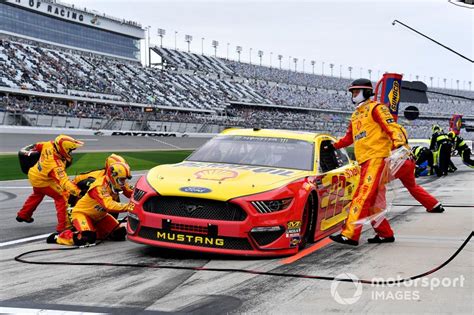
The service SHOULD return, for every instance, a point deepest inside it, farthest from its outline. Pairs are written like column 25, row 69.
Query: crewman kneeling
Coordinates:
column 91, row 217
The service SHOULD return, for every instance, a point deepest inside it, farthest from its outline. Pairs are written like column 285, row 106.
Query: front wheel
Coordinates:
column 307, row 222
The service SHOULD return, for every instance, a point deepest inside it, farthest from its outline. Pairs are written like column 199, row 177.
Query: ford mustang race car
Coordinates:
column 253, row 192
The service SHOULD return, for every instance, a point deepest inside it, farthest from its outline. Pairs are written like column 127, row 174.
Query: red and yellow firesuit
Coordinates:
column 374, row 133
column 127, row 189
column 92, row 212
column 48, row 178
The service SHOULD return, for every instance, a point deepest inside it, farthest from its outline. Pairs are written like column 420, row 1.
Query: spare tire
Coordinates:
column 28, row 157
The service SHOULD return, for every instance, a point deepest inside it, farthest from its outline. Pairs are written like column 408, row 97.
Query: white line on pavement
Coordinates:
column 15, row 187
column 23, row 240
column 15, row 310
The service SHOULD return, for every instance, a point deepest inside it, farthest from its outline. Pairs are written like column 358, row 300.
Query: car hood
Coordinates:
column 218, row 181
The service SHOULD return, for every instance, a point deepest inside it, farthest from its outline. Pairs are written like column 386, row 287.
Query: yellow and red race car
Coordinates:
column 257, row 192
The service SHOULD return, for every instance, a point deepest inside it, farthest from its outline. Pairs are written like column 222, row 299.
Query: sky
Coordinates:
column 356, row 33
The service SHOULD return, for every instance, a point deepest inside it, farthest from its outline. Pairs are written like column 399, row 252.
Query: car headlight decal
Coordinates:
column 269, row 206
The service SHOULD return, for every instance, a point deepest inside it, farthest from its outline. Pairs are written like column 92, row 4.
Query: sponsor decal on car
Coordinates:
column 255, row 169
column 216, row 174
column 195, row 189
column 189, row 239
column 293, row 224
column 294, row 241
column 293, row 229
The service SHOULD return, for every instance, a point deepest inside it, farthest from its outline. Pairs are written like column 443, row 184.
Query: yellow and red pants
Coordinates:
column 82, row 222
column 363, row 202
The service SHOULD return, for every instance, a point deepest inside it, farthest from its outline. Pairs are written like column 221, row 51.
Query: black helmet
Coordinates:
column 363, row 84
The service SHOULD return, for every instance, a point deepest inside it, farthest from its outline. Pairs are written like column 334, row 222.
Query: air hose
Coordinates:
column 247, row 271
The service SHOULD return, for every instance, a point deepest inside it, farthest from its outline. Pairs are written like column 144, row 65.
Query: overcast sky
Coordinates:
column 348, row 33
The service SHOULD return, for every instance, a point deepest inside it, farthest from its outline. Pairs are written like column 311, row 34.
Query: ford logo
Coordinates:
column 196, row 190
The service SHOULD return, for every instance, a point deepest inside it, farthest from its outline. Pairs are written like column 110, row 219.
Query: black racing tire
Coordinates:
column 307, row 222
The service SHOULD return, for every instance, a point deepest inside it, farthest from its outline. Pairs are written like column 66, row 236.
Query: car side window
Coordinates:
column 342, row 157
column 327, row 158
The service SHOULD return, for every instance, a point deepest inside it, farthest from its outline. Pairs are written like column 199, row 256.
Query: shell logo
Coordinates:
column 215, row 174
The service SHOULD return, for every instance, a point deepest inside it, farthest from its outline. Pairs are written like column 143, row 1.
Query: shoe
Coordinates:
column 52, row 238
column 20, row 219
column 343, row 240
column 438, row 209
column 378, row 239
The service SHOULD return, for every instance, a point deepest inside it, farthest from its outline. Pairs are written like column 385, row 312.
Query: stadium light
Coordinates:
column 444, row 80
column 469, row 85
column 147, row 40
column 322, row 68
column 331, row 65
column 188, row 39
column 260, row 55
column 295, row 60
column 161, row 33
column 271, row 54
column 312, row 64
column 370, row 73
column 239, row 50
column 175, row 43
column 340, row 71
column 303, row 64
column 350, row 72
column 202, row 45
column 250, row 55
column 215, row 44
column 457, row 83
column 227, row 53
column 280, row 57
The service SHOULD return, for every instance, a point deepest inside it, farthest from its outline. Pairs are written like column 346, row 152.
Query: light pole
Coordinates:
column 340, row 71
column 289, row 63
column 457, row 83
column 431, row 79
column 188, row 39
column 147, row 48
column 161, row 33
column 215, row 44
column 469, row 85
column 322, row 68
column 444, row 80
column 250, row 55
column 238, row 49
column 227, row 53
column 303, row 64
column 175, row 42
column 370, row 74
column 350, row 72
column 331, row 65
column 312, row 64
column 417, row 77
column 271, row 54
column 295, row 60
column 202, row 45
column 260, row 55
column 280, row 57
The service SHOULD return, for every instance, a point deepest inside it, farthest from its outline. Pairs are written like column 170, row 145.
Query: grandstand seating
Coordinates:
column 184, row 81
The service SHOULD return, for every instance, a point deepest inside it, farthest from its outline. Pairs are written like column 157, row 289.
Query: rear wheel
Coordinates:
column 307, row 222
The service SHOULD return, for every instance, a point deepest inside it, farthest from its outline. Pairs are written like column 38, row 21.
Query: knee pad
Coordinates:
column 84, row 237
column 118, row 235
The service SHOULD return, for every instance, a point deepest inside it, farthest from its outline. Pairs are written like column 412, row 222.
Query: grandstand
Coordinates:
column 45, row 84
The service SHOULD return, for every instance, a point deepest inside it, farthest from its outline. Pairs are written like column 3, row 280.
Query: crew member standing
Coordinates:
column 374, row 133
column 463, row 149
column 48, row 178
column 441, row 147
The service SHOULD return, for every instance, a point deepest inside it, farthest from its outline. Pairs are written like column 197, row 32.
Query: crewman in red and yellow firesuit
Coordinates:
column 374, row 133
column 91, row 217
column 48, row 178
column 84, row 180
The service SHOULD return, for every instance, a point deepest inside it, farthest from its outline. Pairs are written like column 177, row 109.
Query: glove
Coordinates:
column 130, row 207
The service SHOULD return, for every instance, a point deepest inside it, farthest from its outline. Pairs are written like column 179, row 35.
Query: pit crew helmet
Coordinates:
column 117, row 174
column 113, row 158
column 65, row 145
column 451, row 135
column 365, row 85
column 435, row 128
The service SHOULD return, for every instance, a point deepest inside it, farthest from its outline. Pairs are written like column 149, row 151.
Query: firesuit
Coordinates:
column 422, row 155
column 441, row 147
column 374, row 133
column 463, row 149
column 48, row 178
column 91, row 217
column 406, row 174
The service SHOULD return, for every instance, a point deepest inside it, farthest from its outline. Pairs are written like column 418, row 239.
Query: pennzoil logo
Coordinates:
column 189, row 239
column 215, row 174
column 394, row 96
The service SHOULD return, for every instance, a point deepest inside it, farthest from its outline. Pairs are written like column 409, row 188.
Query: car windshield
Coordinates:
column 260, row 151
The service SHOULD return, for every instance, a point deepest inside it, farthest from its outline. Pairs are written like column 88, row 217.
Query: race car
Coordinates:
column 253, row 192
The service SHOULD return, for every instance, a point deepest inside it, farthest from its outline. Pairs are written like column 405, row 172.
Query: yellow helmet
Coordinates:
column 113, row 158
column 435, row 128
column 451, row 135
column 65, row 145
column 118, row 173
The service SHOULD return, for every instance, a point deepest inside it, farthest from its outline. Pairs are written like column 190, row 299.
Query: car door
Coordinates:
column 336, row 181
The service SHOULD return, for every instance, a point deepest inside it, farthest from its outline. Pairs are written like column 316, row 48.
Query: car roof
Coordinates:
column 273, row 133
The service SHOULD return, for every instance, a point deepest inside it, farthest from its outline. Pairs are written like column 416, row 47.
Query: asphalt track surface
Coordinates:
column 423, row 241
